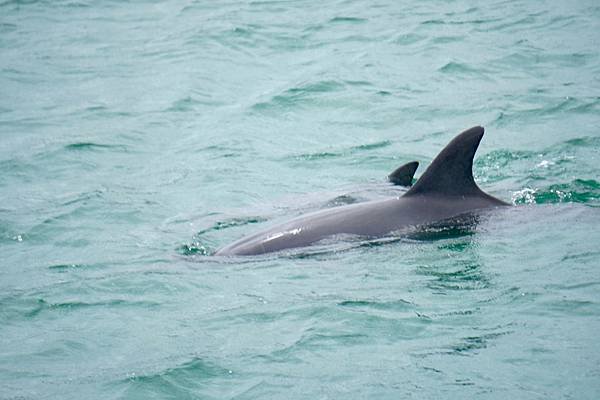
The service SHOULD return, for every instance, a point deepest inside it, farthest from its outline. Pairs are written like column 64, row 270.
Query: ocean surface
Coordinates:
column 137, row 137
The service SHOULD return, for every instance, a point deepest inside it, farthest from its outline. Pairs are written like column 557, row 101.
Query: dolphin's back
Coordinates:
column 446, row 189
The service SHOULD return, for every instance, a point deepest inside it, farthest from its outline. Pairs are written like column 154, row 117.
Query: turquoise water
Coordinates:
column 138, row 137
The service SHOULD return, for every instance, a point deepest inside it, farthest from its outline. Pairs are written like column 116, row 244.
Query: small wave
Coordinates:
column 586, row 142
column 20, row 2
column 230, row 223
column 433, row 22
column 6, row 27
column 457, row 68
column 397, row 305
column 312, row 341
column 342, row 200
column 185, row 104
column 295, row 96
column 33, row 308
column 577, row 191
column 84, row 197
column 473, row 343
column 195, row 248
column 568, row 306
column 502, row 158
column 347, row 20
column 446, row 39
column 318, row 156
column 201, row 246
column 91, row 146
column 463, row 276
column 523, row 23
column 63, row 267
column 352, row 150
column 588, row 255
column 372, row 146
column 186, row 380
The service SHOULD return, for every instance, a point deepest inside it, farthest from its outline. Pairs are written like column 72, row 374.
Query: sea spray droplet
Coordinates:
column 524, row 196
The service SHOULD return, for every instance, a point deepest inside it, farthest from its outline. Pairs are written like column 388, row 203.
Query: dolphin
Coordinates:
column 446, row 190
column 403, row 175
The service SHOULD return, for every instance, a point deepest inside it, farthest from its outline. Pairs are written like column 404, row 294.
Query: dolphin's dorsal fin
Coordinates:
column 451, row 173
column 403, row 175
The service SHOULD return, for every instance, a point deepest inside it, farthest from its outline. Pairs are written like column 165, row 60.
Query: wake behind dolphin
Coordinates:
column 446, row 189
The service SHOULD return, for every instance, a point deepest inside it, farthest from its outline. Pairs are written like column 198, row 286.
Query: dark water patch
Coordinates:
column 358, row 83
column 317, row 87
column 91, row 146
column 587, row 142
column 446, row 39
column 64, row 267
column 318, row 156
column 472, row 343
column 371, row 146
column 397, row 305
column 187, row 104
column 94, row 113
column 462, row 276
column 434, row 22
column 452, row 228
column 450, row 21
column 66, row 4
column 20, row 2
column 18, row 307
column 358, row 38
column 467, row 346
column 520, row 24
column 7, row 27
column 583, row 256
column 233, row 222
column 347, row 20
column 538, row 59
column 95, row 109
column 454, row 68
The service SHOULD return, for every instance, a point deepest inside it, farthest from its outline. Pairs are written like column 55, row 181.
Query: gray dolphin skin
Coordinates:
column 403, row 175
column 446, row 189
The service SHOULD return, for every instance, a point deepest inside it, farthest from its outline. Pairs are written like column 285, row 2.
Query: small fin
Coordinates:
column 403, row 175
column 451, row 173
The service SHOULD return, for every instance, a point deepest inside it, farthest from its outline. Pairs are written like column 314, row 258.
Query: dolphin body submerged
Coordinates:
column 446, row 189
